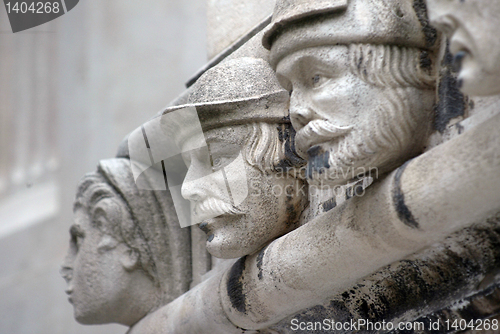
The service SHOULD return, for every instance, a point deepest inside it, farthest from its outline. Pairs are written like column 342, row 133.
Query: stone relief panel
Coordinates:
column 346, row 88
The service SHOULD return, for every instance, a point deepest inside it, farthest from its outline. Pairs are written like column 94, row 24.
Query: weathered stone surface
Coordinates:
column 465, row 264
column 405, row 245
column 128, row 255
column 229, row 20
column 470, row 26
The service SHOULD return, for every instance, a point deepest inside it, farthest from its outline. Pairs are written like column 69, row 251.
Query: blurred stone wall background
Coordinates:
column 70, row 90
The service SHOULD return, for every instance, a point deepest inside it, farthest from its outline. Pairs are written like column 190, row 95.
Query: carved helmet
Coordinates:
column 299, row 24
column 235, row 92
column 221, row 95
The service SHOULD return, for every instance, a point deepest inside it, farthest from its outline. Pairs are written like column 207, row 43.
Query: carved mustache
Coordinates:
column 213, row 207
column 316, row 132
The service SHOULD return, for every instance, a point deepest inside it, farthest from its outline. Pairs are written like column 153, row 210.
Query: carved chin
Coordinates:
column 224, row 247
column 84, row 318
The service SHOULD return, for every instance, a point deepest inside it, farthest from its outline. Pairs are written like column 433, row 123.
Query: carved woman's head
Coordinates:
column 471, row 27
column 125, row 250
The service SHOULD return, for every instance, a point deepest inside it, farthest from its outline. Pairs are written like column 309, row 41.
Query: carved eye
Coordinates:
column 76, row 238
column 318, row 80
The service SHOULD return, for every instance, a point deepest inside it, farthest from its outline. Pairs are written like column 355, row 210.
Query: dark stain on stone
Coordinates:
column 318, row 160
column 398, row 198
column 235, row 286
column 483, row 305
column 425, row 61
column 451, row 102
column 437, row 279
column 364, row 309
column 348, row 193
column 457, row 61
column 330, row 204
column 204, row 228
column 471, row 104
column 281, row 133
column 358, row 190
column 260, row 257
column 286, row 135
column 429, row 31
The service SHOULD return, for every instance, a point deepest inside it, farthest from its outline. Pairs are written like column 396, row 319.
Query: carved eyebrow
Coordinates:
column 78, row 205
column 308, row 64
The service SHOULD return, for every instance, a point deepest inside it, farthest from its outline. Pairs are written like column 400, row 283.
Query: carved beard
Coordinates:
column 375, row 147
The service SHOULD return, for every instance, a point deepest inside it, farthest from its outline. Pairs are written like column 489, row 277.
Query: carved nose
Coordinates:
column 192, row 186
column 66, row 272
column 191, row 191
column 300, row 116
column 300, row 113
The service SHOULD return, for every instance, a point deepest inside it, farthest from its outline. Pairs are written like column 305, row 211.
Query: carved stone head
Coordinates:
column 241, row 181
column 361, row 79
column 472, row 28
column 126, row 255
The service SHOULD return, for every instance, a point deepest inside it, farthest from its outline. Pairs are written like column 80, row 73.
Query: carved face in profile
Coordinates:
column 240, row 162
column 472, row 28
column 103, row 283
column 352, row 114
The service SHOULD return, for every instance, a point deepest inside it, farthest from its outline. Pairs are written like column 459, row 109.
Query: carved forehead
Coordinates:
column 461, row 9
column 231, row 134
column 334, row 55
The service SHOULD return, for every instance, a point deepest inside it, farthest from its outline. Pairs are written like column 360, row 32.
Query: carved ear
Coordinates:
column 107, row 243
column 129, row 259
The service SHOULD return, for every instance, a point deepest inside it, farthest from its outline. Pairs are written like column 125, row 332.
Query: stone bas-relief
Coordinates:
column 388, row 62
column 393, row 220
column 243, row 112
column 471, row 26
column 127, row 254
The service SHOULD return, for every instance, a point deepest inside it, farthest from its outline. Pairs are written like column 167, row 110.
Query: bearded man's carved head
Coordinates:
column 361, row 79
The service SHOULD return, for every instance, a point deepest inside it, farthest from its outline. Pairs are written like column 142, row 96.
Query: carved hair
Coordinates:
column 142, row 219
column 391, row 66
column 271, row 148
